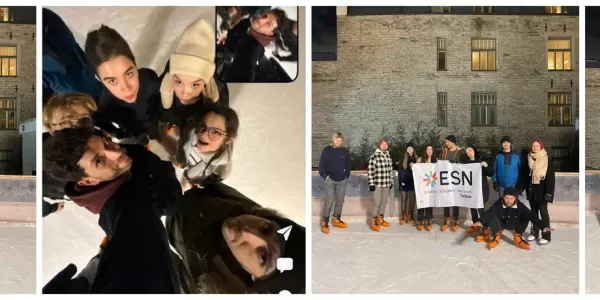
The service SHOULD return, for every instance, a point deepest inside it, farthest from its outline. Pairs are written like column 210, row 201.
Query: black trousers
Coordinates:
column 454, row 212
column 519, row 225
column 425, row 214
column 540, row 208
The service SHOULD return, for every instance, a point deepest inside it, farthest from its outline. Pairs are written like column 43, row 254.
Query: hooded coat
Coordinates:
column 207, row 265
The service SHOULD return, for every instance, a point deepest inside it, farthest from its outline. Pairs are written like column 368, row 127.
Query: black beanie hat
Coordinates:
column 451, row 138
column 410, row 145
column 505, row 138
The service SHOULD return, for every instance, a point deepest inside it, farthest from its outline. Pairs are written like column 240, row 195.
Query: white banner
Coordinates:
column 446, row 184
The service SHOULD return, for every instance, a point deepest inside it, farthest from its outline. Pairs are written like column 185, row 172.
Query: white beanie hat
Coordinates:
column 194, row 56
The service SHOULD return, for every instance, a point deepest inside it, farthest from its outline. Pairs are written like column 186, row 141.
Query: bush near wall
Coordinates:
column 427, row 133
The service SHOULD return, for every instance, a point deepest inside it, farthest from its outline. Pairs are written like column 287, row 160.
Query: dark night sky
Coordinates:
column 23, row 14
column 592, row 35
column 324, row 33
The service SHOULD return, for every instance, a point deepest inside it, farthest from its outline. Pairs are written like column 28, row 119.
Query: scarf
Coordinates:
column 538, row 164
column 263, row 39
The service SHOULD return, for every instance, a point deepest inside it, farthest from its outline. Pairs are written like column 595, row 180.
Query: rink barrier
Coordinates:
column 17, row 198
column 359, row 200
column 592, row 190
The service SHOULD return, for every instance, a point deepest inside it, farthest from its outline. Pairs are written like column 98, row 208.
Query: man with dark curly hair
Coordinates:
column 131, row 189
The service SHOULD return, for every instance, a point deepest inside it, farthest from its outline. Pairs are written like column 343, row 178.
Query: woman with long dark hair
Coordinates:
column 424, row 215
column 471, row 156
column 407, row 185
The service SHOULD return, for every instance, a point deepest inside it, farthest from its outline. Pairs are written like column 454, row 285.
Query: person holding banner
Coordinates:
column 452, row 154
column 471, row 156
column 407, row 186
column 424, row 215
column 539, row 186
column 334, row 167
column 511, row 214
column 381, row 180
column 507, row 166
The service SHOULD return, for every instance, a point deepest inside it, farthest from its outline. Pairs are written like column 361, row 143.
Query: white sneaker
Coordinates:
column 544, row 241
column 531, row 238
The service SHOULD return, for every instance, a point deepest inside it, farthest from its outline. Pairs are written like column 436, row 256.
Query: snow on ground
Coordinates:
column 17, row 259
column 592, row 255
column 400, row 259
column 269, row 154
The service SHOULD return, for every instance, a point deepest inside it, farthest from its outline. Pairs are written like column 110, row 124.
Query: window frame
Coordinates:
column 442, row 102
column 570, row 50
column 479, row 106
column 562, row 106
column 483, row 8
column 550, row 9
column 444, row 50
column 487, row 51
column 14, row 109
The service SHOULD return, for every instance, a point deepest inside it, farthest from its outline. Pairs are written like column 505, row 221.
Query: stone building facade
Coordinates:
column 17, row 85
column 592, row 118
column 388, row 73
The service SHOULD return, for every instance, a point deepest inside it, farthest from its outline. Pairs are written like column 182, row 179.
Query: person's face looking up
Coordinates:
column 212, row 134
column 120, row 76
column 265, row 24
column 187, row 87
column 103, row 161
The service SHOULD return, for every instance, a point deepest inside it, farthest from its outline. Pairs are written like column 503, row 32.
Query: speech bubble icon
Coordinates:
column 285, row 264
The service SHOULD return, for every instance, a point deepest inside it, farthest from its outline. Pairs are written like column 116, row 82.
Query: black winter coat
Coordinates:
column 153, row 182
column 196, row 235
column 507, row 214
column 485, row 173
column 140, row 117
column 537, row 192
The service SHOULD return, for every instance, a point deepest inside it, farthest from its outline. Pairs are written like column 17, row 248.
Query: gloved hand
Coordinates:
column 548, row 197
column 372, row 188
column 63, row 283
column 495, row 186
column 484, row 164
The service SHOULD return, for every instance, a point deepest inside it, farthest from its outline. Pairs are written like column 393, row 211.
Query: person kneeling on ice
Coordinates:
column 507, row 213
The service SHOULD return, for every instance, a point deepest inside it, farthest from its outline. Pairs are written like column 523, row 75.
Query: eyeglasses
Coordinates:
column 214, row 134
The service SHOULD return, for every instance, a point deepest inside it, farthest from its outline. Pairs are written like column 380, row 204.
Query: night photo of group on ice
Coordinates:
column 135, row 161
column 448, row 146
column 257, row 43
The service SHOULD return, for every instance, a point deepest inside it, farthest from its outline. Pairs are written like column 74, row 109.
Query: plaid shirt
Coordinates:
column 381, row 172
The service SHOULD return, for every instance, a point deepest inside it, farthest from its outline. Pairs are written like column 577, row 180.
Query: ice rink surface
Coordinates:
column 269, row 154
column 592, row 253
column 400, row 259
column 17, row 259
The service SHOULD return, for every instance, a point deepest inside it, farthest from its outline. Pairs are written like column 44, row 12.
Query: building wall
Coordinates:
column 23, row 38
column 592, row 118
column 386, row 74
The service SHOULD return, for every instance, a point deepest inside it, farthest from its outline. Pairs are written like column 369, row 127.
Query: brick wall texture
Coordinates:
column 23, row 36
column 386, row 74
column 592, row 118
